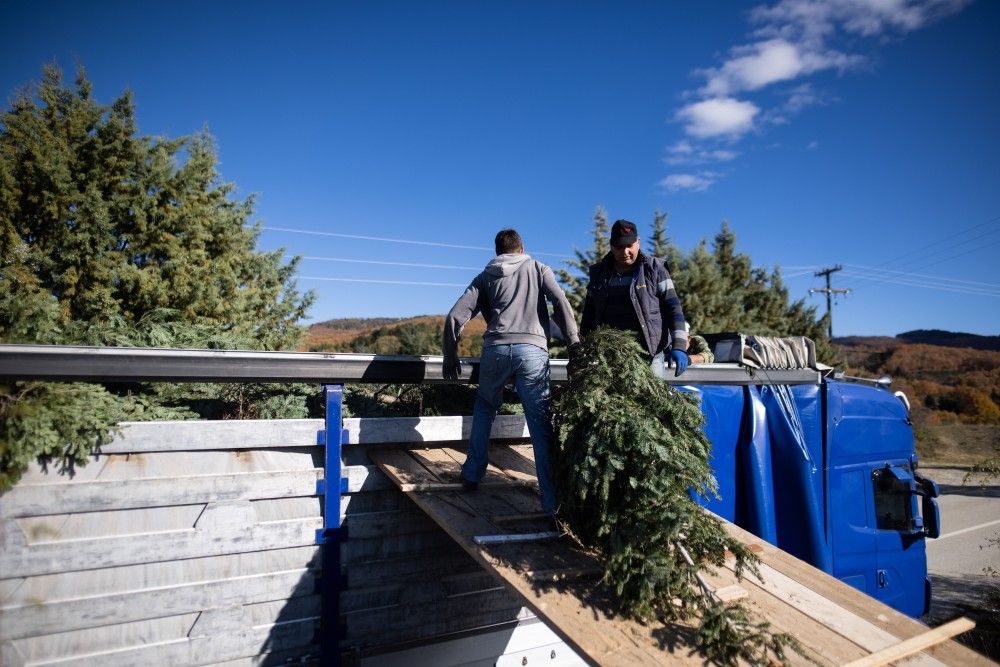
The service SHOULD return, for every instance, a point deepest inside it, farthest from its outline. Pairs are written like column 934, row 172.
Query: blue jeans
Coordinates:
column 528, row 366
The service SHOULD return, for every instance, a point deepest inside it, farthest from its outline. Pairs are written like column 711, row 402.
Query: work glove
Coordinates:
column 681, row 361
column 451, row 370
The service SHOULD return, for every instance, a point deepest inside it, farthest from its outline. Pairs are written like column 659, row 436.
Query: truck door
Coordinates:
column 878, row 533
column 899, row 529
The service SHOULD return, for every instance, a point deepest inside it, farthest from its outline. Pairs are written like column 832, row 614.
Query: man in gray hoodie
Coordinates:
column 511, row 294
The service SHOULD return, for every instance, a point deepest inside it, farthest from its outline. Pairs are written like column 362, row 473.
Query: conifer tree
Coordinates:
column 575, row 283
column 659, row 243
column 111, row 238
column 631, row 452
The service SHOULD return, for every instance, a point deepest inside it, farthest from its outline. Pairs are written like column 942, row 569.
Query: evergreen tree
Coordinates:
column 575, row 283
column 723, row 291
column 632, row 452
column 659, row 243
column 110, row 238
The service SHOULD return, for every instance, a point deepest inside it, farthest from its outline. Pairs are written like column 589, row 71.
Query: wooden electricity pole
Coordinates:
column 829, row 291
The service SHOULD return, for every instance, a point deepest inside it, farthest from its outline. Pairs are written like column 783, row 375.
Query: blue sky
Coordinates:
column 840, row 132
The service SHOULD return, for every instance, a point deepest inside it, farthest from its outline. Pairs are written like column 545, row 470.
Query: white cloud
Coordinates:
column 682, row 148
column 719, row 116
column 812, row 20
column 813, row 145
column 694, row 182
column 761, row 64
column 683, row 152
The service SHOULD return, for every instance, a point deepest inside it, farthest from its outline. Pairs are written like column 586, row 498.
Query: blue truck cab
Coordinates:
column 828, row 472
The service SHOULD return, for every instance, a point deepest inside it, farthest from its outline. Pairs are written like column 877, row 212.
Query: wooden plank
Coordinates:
column 854, row 601
column 915, row 644
column 237, row 641
column 382, row 430
column 135, row 605
column 389, row 547
column 366, row 478
column 513, row 464
column 443, row 467
column 61, row 498
column 830, row 614
column 400, row 466
column 416, row 593
column 821, row 644
column 67, row 586
column 165, row 436
column 397, row 624
column 17, row 559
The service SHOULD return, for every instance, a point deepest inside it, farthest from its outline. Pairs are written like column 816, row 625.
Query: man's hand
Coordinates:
column 452, row 370
column 680, row 359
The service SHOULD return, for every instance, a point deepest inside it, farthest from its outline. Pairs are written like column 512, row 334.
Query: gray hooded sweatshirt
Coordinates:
column 511, row 293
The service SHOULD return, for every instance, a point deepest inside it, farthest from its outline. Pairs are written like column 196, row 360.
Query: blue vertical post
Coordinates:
column 330, row 536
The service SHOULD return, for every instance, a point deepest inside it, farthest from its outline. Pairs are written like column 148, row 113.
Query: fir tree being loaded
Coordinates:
column 632, row 454
column 632, row 291
column 510, row 293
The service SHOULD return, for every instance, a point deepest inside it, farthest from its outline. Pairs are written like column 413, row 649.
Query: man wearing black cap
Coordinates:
column 632, row 291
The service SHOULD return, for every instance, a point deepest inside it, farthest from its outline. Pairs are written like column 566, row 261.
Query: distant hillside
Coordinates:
column 926, row 337
column 380, row 335
column 334, row 334
column 952, row 381
column 355, row 323
column 951, row 339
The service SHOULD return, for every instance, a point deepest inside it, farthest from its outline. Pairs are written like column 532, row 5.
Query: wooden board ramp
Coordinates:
column 560, row 582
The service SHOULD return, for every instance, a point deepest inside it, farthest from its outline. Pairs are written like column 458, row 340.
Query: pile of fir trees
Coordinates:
column 632, row 449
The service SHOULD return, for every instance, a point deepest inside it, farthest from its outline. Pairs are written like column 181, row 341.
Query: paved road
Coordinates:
column 970, row 514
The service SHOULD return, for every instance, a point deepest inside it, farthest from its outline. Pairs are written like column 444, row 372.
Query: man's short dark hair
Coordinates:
column 508, row 240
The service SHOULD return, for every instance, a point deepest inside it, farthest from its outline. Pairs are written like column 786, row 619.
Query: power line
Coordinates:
column 922, row 275
column 922, row 257
column 373, row 261
column 388, row 240
column 382, row 282
column 926, row 285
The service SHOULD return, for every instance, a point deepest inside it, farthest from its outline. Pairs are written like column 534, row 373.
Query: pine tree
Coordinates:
column 723, row 291
column 111, row 238
column 659, row 244
column 575, row 283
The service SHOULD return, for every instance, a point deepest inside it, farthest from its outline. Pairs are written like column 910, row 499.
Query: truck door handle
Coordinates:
column 883, row 578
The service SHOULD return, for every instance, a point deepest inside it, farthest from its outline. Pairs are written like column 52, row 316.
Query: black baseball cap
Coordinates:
column 623, row 233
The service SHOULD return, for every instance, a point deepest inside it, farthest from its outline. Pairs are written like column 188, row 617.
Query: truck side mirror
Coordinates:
column 929, row 506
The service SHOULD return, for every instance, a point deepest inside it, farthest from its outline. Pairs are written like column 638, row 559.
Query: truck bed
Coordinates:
column 559, row 581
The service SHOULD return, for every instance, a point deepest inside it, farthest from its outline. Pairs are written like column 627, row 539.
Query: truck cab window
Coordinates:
column 892, row 501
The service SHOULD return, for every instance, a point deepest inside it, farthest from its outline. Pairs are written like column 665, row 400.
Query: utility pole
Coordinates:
column 829, row 291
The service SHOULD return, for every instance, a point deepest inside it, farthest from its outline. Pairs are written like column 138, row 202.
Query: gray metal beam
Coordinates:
column 123, row 364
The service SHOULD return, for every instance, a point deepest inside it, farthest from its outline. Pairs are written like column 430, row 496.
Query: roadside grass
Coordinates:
column 956, row 444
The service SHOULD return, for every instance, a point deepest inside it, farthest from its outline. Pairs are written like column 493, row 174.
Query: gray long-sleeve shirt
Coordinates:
column 511, row 293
